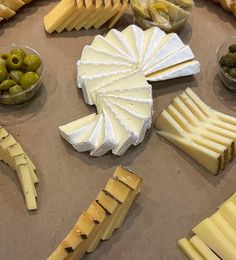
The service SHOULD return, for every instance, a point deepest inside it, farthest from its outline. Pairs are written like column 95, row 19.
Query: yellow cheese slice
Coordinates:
column 224, row 227
column 203, row 249
column 189, row 250
column 232, row 199
column 134, row 182
column 116, row 7
column 117, row 17
column 72, row 241
column 208, row 232
column 4, row 144
column 14, row 5
column 82, row 13
column 6, row 12
column 59, row 254
column 59, row 14
column 228, row 211
column 24, row 176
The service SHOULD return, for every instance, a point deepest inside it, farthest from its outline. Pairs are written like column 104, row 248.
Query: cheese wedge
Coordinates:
column 116, row 18
column 180, row 70
column 228, row 211
column 208, row 232
column 59, row 14
column 224, row 227
column 73, row 130
column 202, row 248
column 14, row 5
column 189, row 250
column 6, row 12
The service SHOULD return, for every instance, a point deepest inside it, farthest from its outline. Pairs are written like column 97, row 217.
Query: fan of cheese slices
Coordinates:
column 78, row 14
column 12, row 154
column 113, row 74
column 8, row 8
column 215, row 237
column 206, row 135
column 102, row 218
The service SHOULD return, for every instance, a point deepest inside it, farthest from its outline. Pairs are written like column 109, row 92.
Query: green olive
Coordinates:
column 19, row 52
column 15, row 89
column 232, row 73
column 4, row 56
column 232, row 48
column 3, row 62
column 32, row 62
column 222, row 61
column 225, row 68
column 7, row 83
column 14, row 61
column 16, row 75
column 230, row 60
column 28, row 79
column 3, row 73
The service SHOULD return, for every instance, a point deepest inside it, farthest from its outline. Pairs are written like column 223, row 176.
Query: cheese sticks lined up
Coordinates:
column 12, row 154
column 104, row 215
column 228, row 5
column 8, row 8
column 78, row 14
column 206, row 135
column 215, row 237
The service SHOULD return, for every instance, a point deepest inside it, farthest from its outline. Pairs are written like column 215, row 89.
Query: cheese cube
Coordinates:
column 189, row 250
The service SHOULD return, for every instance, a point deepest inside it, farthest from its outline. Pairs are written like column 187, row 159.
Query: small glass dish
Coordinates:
column 28, row 93
column 223, row 49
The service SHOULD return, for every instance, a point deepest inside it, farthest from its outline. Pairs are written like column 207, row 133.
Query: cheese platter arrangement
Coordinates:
column 117, row 96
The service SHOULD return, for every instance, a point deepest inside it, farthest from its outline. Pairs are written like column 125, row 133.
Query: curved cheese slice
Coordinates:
column 189, row 250
column 228, row 211
column 181, row 70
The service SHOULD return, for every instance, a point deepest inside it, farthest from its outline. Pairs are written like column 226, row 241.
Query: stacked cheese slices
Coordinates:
column 8, row 8
column 12, row 154
column 78, row 14
column 206, row 135
column 113, row 74
column 104, row 215
column 215, row 236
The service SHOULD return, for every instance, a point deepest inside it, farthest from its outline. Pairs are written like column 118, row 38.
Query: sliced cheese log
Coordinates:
column 189, row 250
column 133, row 181
column 169, row 45
column 152, row 39
column 59, row 14
column 136, row 124
column 224, row 227
column 73, row 130
column 87, row 140
column 228, row 211
column 6, row 12
column 203, row 249
column 106, row 140
column 208, row 232
column 91, row 84
column 14, row 5
column 121, row 192
column 111, row 205
column 116, row 18
column 207, row 158
column 134, row 36
column 125, row 137
column 117, row 39
column 180, row 70
column 180, row 56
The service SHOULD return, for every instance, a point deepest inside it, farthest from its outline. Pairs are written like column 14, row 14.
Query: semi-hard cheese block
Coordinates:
column 189, row 250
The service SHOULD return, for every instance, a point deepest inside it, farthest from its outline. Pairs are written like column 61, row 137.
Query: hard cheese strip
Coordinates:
column 102, row 217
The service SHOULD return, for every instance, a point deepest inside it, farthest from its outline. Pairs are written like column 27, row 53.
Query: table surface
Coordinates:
column 176, row 194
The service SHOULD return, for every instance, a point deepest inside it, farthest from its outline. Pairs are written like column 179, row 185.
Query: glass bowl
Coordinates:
column 28, row 93
column 226, row 79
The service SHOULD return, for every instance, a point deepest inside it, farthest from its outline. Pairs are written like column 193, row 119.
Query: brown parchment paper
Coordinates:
column 176, row 194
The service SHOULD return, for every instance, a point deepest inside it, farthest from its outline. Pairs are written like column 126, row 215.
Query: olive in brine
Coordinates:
column 19, row 52
column 15, row 89
column 232, row 48
column 16, row 75
column 29, row 79
column 3, row 62
column 14, row 62
column 226, row 69
column 3, row 73
column 232, row 73
column 4, row 56
column 6, row 84
column 230, row 60
column 32, row 62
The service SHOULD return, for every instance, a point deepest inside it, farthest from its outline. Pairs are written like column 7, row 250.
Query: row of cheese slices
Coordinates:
column 206, row 135
column 215, row 236
column 8, row 8
column 12, row 154
column 78, row 14
column 113, row 74
column 103, row 216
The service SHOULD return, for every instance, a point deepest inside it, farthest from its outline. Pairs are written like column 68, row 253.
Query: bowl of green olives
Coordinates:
column 226, row 63
column 21, row 70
